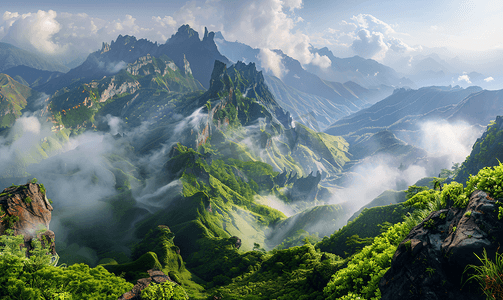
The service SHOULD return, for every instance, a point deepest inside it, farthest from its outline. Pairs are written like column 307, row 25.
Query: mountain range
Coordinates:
column 192, row 157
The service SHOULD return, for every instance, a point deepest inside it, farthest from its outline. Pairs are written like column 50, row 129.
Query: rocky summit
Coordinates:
column 430, row 261
column 26, row 210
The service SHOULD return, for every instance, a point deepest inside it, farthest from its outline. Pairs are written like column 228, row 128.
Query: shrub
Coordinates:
column 489, row 180
column 489, row 275
column 37, row 277
column 165, row 291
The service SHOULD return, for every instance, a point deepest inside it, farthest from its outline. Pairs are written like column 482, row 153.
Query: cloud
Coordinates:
column 367, row 36
column 321, row 61
column 33, row 30
column 264, row 24
column 114, row 123
column 115, row 67
column 369, row 44
column 488, row 79
column 267, row 24
column 456, row 139
column 372, row 23
column 67, row 36
column 464, row 77
column 271, row 61
column 276, row 203
column 373, row 176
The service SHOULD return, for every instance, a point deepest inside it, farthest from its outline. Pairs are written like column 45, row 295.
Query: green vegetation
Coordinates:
column 13, row 98
column 489, row 180
column 364, row 270
column 363, row 229
column 296, row 273
column 37, row 277
column 486, row 152
column 164, row 291
column 489, row 275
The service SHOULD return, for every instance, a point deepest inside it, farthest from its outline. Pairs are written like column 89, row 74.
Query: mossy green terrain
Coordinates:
column 13, row 98
column 486, row 152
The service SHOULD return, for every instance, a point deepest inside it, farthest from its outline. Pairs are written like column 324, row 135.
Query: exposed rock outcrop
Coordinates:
column 305, row 188
column 156, row 277
column 430, row 261
column 26, row 210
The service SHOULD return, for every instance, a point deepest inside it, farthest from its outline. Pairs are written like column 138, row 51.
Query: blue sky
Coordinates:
column 383, row 30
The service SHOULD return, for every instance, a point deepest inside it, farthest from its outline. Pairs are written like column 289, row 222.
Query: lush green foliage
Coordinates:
column 413, row 190
column 296, row 273
column 36, row 277
column 421, row 199
column 454, row 192
column 366, row 268
column 219, row 261
column 489, row 180
column 363, row 228
column 164, row 291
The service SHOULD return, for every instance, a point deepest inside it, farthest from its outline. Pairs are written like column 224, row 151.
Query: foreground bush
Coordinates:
column 37, row 277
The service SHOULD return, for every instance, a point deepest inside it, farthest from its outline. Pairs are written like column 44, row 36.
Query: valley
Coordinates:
column 237, row 183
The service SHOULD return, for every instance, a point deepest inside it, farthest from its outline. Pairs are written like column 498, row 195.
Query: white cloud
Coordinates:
column 489, row 79
column 271, row 61
column 321, row 61
column 456, row 142
column 67, row 35
column 464, row 77
column 372, row 23
column 33, row 30
column 367, row 36
column 369, row 44
column 267, row 24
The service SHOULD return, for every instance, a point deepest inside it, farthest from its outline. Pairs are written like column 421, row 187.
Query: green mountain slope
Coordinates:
column 13, row 98
column 486, row 152
column 146, row 77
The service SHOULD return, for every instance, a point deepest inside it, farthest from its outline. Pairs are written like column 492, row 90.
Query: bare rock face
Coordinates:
column 430, row 261
column 26, row 210
column 156, row 277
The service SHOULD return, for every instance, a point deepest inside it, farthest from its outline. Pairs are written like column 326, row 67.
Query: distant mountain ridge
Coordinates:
column 366, row 72
column 184, row 48
column 395, row 112
column 30, row 76
column 311, row 100
column 11, row 56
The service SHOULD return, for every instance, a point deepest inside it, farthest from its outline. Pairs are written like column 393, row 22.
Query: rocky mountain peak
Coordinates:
column 217, row 76
column 208, row 36
column 105, row 47
column 124, row 40
column 185, row 33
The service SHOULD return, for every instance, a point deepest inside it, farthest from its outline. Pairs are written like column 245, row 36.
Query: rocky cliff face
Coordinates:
column 156, row 277
column 26, row 210
column 429, row 262
column 184, row 48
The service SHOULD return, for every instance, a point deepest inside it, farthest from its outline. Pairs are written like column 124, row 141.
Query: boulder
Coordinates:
column 429, row 262
column 26, row 210
column 156, row 277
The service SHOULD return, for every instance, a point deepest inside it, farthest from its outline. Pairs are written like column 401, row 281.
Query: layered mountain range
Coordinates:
column 178, row 158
